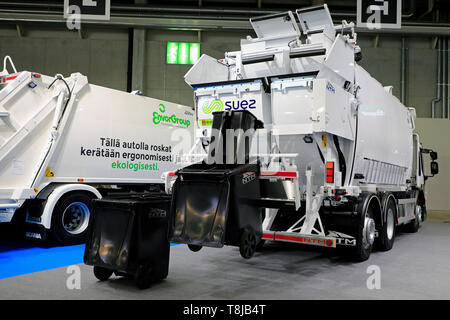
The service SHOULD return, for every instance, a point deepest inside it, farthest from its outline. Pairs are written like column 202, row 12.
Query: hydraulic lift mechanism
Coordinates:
column 338, row 162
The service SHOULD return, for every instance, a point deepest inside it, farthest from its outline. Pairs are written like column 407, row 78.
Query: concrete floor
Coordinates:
column 418, row 267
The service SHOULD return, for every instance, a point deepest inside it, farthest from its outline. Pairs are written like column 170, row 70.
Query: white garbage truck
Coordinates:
column 339, row 162
column 64, row 142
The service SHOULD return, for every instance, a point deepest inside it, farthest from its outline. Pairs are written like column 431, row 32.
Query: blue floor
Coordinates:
column 18, row 257
column 27, row 260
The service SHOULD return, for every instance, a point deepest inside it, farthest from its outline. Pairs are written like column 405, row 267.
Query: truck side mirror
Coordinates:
column 434, row 168
column 433, row 155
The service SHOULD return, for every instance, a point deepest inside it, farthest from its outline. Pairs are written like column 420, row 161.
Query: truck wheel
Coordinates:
column 70, row 219
column 365, row 236
column 414, row 225
column 386, row 237
column 247, row 245
column 194, row 247
column 102, row 274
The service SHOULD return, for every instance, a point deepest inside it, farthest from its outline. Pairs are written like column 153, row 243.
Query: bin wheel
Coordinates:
column 102, row 274
column 248, row 244
column 260, row 245
column 194, row 247
column 143, row 276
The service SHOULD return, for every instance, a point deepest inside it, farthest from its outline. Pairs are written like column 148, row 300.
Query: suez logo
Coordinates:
column 217, row 105
column 172, row 119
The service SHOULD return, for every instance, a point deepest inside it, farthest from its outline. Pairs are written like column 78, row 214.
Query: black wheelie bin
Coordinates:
column 128, row 236
column 213, row 204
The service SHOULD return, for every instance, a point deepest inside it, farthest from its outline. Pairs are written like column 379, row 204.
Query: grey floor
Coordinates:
column 418, row 267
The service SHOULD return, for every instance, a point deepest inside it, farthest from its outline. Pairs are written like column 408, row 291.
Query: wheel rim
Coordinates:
column 75, row 218
column 368, row 231
column 390, row 223
column 419, row 213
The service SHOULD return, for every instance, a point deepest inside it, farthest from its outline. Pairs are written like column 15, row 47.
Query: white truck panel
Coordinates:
column 112, row 136
column 384, row 133
column 340, row 59
column 102, row 136
column 232, row 97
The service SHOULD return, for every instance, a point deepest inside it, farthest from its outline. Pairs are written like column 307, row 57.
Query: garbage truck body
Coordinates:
column 340, row 164
column 63, row 141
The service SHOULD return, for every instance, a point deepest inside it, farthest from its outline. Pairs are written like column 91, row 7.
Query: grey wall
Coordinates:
column 167, row 81
column 383, row 63
column 103, row 56
column 434, row 134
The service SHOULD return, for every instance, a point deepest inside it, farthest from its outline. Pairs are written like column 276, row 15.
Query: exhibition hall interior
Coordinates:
column 224, row 150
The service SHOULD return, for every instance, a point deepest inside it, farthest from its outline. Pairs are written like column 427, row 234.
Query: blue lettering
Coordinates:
column 243, row 105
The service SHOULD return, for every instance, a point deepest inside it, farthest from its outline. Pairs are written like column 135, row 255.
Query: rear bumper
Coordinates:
column 11, row 200
column 7, row 213
column 321, row 241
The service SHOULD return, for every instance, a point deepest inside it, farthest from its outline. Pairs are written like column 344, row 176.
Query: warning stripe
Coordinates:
column 285, row 174
column 307, row 240
column 11, row 78
column 267, row 236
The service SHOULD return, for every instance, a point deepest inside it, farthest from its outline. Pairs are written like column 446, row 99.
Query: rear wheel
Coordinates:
column 414, row 225
column 70, row 218
column 365, row 237
column 386, row 237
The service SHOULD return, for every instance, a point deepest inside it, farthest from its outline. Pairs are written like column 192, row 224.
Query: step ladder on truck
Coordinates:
column 64, row 142
column 337, row 163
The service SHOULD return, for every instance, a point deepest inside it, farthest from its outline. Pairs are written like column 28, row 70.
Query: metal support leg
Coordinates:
column 269, row 219
column 313, row 204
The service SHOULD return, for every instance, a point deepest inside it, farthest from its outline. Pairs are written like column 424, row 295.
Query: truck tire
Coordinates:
column 386, row 236
column 365, row 236
column 70, row 218
column 413, row 226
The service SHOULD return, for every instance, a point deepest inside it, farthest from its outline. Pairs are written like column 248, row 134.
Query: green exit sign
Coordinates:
column 182, row 52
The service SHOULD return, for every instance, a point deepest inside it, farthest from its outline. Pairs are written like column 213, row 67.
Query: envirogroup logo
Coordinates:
column 172, row 119
column 214, row 106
